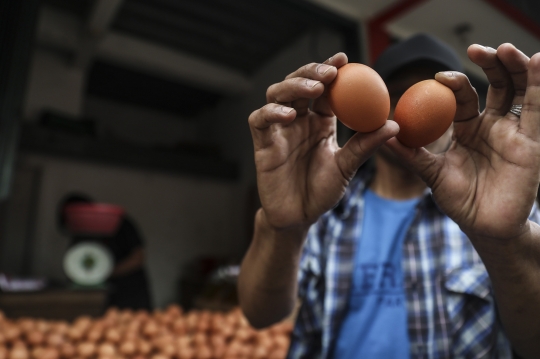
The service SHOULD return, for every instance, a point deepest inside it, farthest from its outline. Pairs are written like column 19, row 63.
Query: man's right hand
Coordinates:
column 301, row 170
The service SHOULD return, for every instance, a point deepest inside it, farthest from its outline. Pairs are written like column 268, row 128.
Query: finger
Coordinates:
column 320, row 71
column 321, row 104
column 324, row 73
column 466, row 96
column 261, row 120
column 501, row 89
column 295, row 92
column 516, row 63
column 422, row 162
column 361, row 146
column 530, row 114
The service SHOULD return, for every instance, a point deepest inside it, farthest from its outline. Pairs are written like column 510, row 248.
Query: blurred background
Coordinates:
column 144, row 104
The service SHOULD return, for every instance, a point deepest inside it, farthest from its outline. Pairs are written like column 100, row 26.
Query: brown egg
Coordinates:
column 359, row 98
column 281, row 341
column 54, row 340
column 26, row 324
column 424, row 112
column 106, row 349
column 75, row 334
column 37, row 352
column 19, row 352
column 174, row 310
column 94, row 335
column 150, row 329
column 278, row 354
column 128, row 348
column 11, row 333
column 144, row 347
column 34, row 338
column 112, row 335
column 49, row 353
column 67, row 351
column 186, row 353
column 86, row 349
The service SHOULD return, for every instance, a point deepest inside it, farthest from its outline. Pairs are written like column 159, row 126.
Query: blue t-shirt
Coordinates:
column 376, row 322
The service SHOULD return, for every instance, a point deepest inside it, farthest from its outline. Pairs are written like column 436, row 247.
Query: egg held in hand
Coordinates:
column 424, row 112
column 359, row 98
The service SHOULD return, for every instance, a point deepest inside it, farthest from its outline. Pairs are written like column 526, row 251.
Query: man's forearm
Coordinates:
column 267, row 284
column 132, row 263
column 514, row 270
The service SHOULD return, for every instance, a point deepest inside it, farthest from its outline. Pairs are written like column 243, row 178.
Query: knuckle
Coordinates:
column 312, row 66
column 271, row 93
column 252, row 117
column 270, row 89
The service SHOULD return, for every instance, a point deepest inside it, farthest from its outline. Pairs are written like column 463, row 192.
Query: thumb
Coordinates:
column 361, row 146
column 422, row 162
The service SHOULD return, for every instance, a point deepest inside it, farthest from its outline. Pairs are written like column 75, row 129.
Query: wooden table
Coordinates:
column 57, row 304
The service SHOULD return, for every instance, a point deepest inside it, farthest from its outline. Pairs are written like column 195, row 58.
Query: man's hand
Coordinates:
column 301, row 171
column 487, row 181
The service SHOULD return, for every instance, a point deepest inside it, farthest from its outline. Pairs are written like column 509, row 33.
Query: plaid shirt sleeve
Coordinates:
column 307, row 334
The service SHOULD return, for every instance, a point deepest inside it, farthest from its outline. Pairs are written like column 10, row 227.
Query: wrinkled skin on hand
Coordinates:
column 487, row 181
column 301, row 170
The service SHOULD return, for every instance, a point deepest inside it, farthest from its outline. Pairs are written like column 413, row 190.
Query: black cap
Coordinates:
column 418, row 48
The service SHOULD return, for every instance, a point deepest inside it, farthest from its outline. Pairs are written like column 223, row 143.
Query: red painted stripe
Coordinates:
column 517, row 15
column 377, row 35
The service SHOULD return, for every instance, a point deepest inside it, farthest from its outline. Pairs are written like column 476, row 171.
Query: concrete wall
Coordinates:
column 53, row 84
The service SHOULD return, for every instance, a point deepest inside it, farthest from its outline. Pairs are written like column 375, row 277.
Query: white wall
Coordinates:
column 180, row 218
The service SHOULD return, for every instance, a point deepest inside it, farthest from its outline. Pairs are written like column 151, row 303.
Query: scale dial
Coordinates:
column 88, row 263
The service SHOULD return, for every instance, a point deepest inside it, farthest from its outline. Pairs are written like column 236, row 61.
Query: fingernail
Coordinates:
column 449, row 73
column 311, row 83
column 286, row 110
column 322, row 68
column 491, row 49
column 329, row 60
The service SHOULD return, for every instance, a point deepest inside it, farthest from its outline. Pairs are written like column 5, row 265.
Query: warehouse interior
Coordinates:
column 144, row 104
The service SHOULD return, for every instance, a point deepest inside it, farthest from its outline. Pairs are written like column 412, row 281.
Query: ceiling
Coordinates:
column 212, row 48
column 218, row 39
column 242, row 35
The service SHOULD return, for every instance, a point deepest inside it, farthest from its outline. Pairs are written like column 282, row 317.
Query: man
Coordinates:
column 394, row 262
column 128, row 283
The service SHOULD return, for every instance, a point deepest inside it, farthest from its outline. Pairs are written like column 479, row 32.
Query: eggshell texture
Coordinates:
column 359, row 98
column 424, row 112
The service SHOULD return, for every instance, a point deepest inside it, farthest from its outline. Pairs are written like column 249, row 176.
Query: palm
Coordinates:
column 481, row 183
column 298, row 171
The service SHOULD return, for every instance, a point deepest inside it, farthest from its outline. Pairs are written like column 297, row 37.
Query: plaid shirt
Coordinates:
column 450, row 303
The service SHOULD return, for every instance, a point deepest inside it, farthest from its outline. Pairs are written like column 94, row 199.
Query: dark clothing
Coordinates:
column 131, row 290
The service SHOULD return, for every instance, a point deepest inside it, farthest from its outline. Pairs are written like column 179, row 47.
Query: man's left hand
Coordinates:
column 488, row 179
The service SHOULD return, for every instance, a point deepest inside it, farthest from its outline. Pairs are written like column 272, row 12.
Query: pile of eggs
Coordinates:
column 169, row 334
